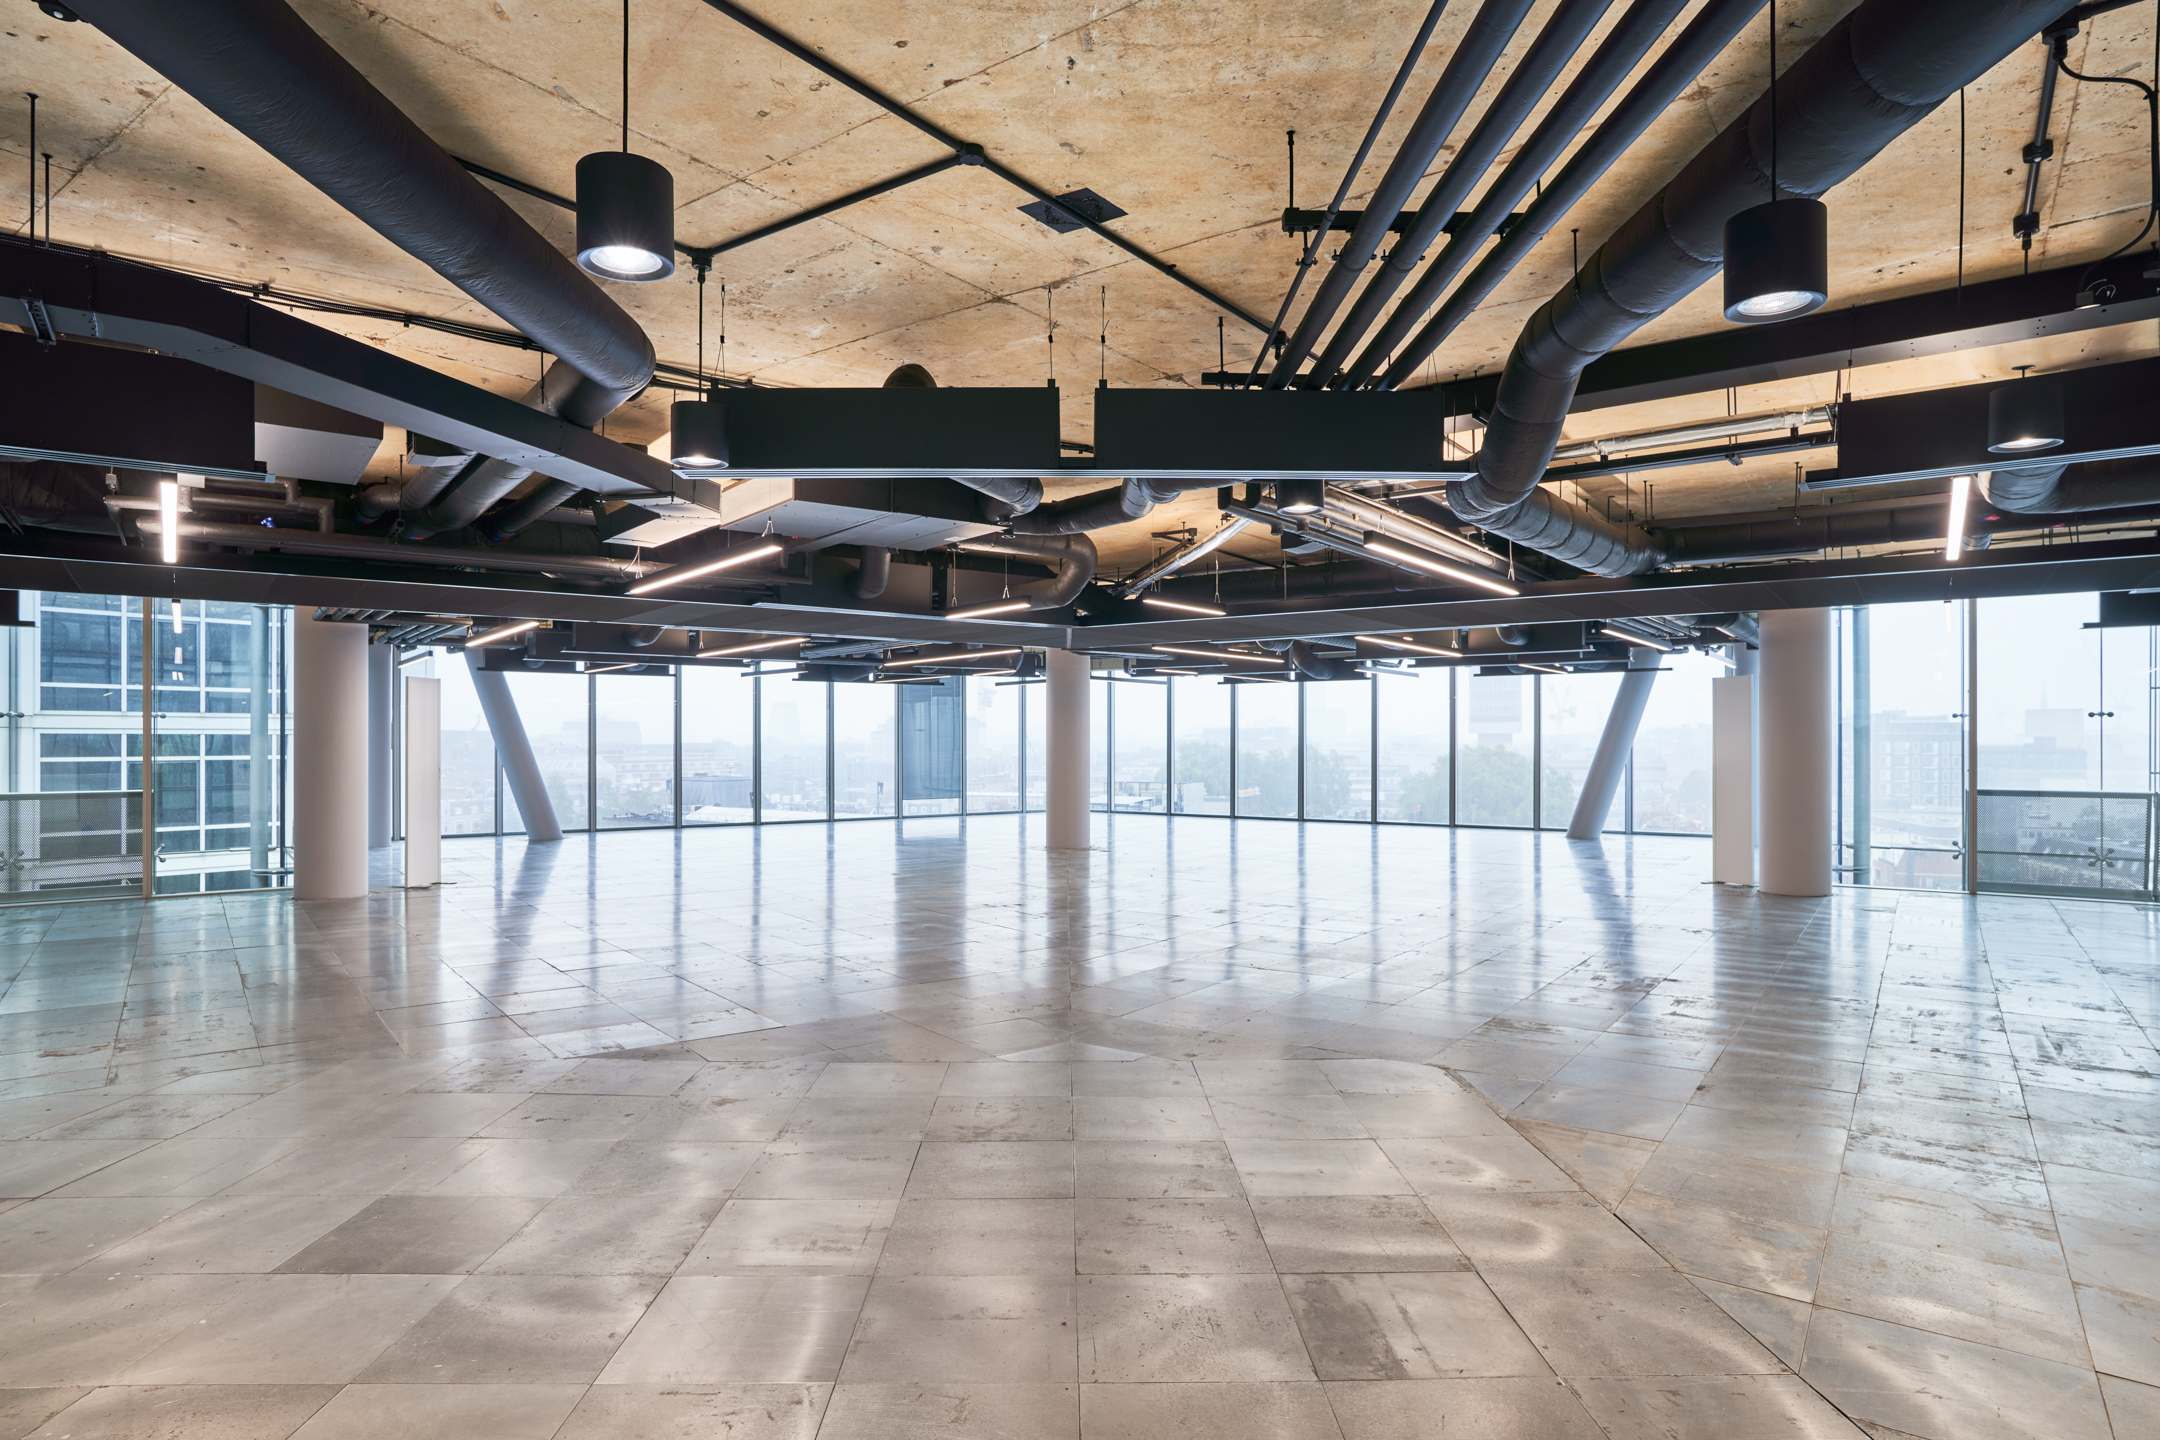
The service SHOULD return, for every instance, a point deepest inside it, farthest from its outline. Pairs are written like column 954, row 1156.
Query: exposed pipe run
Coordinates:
column 1523, row 90
column 1669, row 75
column 1631, row 38
column 1472, row 61
column 1708, row 430
column 1394, row 524
column 1182, row 556
column 1874, row 75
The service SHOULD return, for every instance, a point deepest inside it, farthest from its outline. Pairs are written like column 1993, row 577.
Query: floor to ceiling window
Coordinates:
column 1571, row 717
column 864, row 751
column 1267, row 750
column 1495, row 743
column 1668, row 789
column 1338, row 749
column 994, row 709
column 719, row 746
column 1902, row 731
column 1141, row 711
column 1200, row 745
column 1412, row 723
column 633, row 750
column 557, row 711
column 792, row 735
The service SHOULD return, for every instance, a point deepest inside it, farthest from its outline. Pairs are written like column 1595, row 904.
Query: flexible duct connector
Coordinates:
column 1314, row 666
column 377, row 501
column 2064, row 489
column 562, row 392
column 260, row 68
column 1073, row 555
column 1101, row 509
column 1877, row 72
column 549, row 495
column 642, row 637
column 869, row 582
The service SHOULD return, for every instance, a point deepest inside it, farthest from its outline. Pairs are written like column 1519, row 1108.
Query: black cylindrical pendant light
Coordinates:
column 697, row 434
column 2025, row 416
column 1777, row 261
column 625, row 217
column 1300, row 497
column 625, row 204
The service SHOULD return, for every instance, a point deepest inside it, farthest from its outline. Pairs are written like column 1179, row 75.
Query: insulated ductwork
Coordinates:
column 1101, row 509
column 261, row 69
column 1876, row 73
column 1072, row 555
column 1314, row 666
column 2064, row 489
column 869, row 582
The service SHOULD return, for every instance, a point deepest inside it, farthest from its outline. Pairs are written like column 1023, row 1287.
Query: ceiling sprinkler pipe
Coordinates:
column 1182, row 556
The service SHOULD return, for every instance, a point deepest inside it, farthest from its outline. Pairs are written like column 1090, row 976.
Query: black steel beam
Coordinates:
column 1939, row 322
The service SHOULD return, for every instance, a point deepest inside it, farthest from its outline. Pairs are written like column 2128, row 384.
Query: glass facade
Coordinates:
column 219, row 730
column 1999, row 745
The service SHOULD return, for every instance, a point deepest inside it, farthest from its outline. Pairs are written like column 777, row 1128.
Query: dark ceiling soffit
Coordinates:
column 2108, row 412
column 96, row 296
column 1940, row 322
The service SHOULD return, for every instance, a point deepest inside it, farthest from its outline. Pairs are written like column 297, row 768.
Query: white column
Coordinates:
column 1065, row 768
column 382, row 698
column 1732, row 780
column 423, row 782
column 330, row 759
column 1796, row 752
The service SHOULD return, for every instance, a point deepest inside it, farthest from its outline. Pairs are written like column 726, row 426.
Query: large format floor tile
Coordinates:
column 1225, row 1129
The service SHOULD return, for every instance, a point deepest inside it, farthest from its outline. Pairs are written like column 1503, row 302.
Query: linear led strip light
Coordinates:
column 999, row 607
column 501, row 632
column 1633, row 639
column 1405, row 643
column 1961, row 489
column 681, row 573
column 168, row 504
column 751, row 649
column 1190, row 609
column 922, row 660
column 1217, row 655
column 1425, row 562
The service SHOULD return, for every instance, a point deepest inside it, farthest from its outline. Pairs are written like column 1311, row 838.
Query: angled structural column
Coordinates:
column 1796, row 752
column 330, row 760
column 1065, row 768
column 1609, row 764
column 515, row 751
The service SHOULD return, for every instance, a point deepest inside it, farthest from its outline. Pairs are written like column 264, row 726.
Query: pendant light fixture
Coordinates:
column 625, row 204
column 1300, row 497
column 2025, row 415
column 1777, row 254
column 697, row 429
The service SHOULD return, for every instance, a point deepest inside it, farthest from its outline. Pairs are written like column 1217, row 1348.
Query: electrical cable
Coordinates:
column 2152, row 136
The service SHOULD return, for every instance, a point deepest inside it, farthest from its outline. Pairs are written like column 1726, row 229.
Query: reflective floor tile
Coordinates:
column 293, row 1330
column 1570, row 1230
column 612, row 1235
column 415, row 1235
column 517, row 1329
column 1004, row 1329
column 1181, row 1236
column 1354, row 1233
column 951, row 1411
column 1140, row 1169
column 475, row 1412
column 186, row 1412
column 1479, row 1409
column 726, row 1329
column 693, row 1412
column 233, row 1235
column 2010, row 1307
column 1505, row 1163
column 1188, row 1327
column 1738, row 1407
column 1424, row 1326
column 1317, row 1167
column 980, row 1237
column 1620, row 1324
column 1233, row 1410
column 797, row 1237
column 1001, row 1169
column 1932, row 1385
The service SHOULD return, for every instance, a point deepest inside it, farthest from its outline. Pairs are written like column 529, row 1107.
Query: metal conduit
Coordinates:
column 1475, row 55
column 1532, row 79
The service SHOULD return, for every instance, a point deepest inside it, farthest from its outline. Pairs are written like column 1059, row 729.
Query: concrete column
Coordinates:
column 330, row 759
column 1609, row 764
column 515, row 752
column 1065, row 768
column 381, row 700
column 1795, row 766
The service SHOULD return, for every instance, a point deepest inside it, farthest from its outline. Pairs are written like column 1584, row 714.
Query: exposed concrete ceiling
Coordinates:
column 1173, row 109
